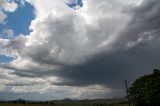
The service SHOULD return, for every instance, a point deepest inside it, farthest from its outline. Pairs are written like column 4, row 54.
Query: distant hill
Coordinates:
column 68, row 101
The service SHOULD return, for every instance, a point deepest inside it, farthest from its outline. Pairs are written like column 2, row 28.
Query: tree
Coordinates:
column 146, row 90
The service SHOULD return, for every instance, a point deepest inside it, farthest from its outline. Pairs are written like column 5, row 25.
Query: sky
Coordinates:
column 79, row 49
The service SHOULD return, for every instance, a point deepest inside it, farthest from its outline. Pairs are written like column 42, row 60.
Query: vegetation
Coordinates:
column 145, row 91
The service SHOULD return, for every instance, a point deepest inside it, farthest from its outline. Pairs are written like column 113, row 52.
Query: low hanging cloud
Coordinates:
column 94, row 47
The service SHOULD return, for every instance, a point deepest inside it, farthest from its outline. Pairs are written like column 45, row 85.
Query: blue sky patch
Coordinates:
column 76, row 3
column 6, row 59
column 19, row 20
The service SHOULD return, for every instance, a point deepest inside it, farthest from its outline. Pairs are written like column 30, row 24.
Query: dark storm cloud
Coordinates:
column 145, row 23
column 137, row 53
column 110, row 70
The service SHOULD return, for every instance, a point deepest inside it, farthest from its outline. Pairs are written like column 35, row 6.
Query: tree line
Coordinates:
column 145, row 91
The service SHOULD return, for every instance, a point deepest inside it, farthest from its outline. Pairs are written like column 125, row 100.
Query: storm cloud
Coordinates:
column 94, row 47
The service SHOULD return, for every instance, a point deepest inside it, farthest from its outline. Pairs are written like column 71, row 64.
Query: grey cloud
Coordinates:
column 112, row 69
column 145, row 20
column 33, row 72
column 21, row 84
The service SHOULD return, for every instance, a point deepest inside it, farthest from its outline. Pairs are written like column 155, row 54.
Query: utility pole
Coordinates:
column 126, row 84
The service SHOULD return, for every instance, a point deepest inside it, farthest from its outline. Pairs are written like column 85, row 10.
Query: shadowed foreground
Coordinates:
column 65, row 105
column 23, row 105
